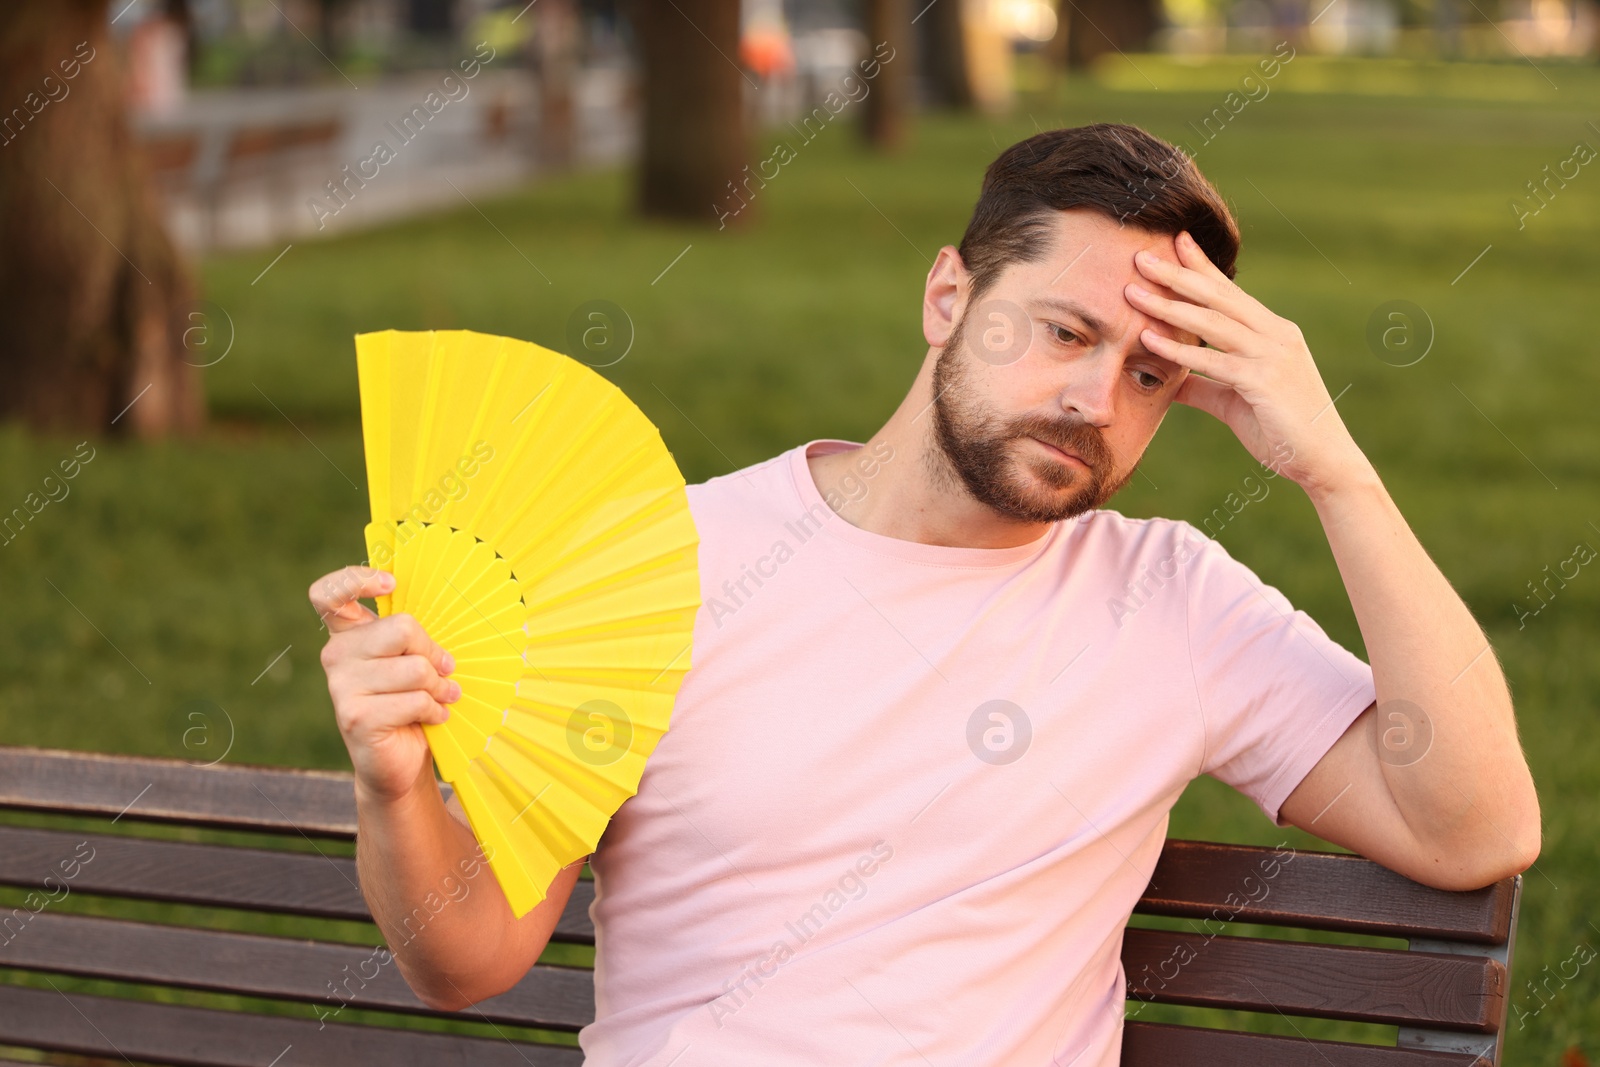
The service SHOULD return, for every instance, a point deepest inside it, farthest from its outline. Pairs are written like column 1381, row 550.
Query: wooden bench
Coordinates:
column 1448, row 994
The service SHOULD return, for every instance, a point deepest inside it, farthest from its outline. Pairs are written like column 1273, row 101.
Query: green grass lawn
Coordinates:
column 174, row 574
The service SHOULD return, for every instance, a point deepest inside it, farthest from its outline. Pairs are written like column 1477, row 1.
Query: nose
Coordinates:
column 1092, row 395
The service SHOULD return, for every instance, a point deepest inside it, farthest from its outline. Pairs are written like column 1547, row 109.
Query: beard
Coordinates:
column 976, row 447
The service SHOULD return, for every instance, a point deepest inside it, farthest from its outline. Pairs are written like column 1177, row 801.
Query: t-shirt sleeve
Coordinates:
column 1275, row 692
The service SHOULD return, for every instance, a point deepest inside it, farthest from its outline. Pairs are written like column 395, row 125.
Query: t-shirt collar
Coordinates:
column 812, row 504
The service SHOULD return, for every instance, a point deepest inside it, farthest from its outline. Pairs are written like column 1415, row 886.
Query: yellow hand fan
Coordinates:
column 539, row 531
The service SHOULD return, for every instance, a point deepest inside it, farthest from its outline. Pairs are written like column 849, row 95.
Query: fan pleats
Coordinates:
column 538, row 530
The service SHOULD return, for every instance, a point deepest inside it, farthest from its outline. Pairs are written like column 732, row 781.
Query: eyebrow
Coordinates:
column 1099, row 327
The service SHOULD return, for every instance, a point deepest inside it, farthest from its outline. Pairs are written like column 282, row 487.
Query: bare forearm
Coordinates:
column 1253, row 370
column 428, row 887
column 1447, row 744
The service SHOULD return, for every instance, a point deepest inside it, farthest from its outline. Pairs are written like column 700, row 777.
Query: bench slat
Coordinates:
column 1376, row 985
column 206, row 1037
column 1319, row 891
column 1165, row 1044
column 228, row 795
column 256, row 879
column 575, row 927
column 295, row 883
column 332, row 976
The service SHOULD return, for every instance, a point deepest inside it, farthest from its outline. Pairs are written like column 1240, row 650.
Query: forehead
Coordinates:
column 1087, row 262
column 1091, row 254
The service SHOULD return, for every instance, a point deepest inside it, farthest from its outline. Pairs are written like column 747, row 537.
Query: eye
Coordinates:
column 1154, row 383
column 1062, row 334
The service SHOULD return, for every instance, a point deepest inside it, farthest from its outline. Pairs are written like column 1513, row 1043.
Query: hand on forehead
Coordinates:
column 1089, row 264
column 1162, row 247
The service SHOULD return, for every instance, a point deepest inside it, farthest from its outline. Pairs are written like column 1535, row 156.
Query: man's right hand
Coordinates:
column 386, row 677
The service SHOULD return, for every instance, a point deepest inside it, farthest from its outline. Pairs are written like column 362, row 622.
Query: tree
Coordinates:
column 1095, row 27
column 556, row 41
column 92, row 292
column 885, row 121
column 948, row 78
column 1055, row 49
column 693, row 147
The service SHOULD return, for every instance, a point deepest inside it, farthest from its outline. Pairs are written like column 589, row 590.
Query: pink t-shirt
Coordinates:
column 911, row 792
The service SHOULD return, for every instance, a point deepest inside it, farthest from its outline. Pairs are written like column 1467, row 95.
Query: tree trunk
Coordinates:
column 1101, row 26
column 1055, row 49
column 886, row 118
column 555, row 42
column 431, row 18
column 948, row 78
column 92, row 293
column 693, row 151
column 182, row 13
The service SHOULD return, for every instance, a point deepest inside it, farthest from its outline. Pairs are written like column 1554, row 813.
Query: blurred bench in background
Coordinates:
column 237, row 168
column 263, row 164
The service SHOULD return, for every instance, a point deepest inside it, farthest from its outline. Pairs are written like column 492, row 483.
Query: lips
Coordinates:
column 1062, row 452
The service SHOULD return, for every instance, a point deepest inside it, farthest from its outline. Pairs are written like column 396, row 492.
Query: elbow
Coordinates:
column 451, row 1002
column 1503, row 853
column 462, row 991
column 1522, row 838
column 1463, row 875
column 1506, row 863
column 1494, row 848
column 441, row 993
column 450, row 999
column 1524, row 853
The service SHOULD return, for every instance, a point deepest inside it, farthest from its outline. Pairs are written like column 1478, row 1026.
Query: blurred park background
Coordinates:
column 729, row 210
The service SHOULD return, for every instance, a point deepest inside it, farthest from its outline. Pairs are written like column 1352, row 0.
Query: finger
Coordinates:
column 1191, row 255
column 401, row 674
column 353, row 613
column 1210, row 325
column 402, row 635
column 1197, row 279
column 1208, row 361
column 385, row 712
column 434, row 712
column 336, row 596
column 1206, row 394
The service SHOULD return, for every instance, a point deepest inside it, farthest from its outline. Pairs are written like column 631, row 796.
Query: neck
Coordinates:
column 913, row 494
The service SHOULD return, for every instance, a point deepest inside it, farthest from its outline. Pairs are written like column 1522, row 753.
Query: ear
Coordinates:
column 943, row 295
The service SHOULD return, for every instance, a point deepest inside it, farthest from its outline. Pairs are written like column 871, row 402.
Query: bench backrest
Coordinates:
column 1447, row 994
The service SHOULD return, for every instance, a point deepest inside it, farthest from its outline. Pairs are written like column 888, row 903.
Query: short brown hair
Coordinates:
column 1120, row 171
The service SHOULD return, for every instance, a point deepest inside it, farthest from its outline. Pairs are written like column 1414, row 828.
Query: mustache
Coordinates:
column 1079, row 438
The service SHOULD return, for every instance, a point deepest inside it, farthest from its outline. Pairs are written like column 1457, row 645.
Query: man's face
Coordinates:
column 1048, row 358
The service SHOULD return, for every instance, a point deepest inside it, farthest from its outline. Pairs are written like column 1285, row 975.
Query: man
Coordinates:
column 942, row 701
